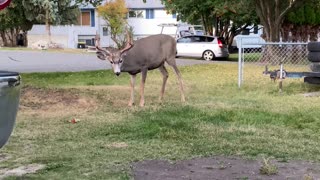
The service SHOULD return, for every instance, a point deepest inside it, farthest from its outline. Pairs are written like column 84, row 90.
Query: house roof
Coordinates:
column 134, row 4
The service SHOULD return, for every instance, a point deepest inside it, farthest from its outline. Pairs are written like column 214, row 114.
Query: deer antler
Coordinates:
column 97, row 44
column 129, row 43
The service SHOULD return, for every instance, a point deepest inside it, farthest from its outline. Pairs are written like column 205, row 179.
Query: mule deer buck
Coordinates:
column 145, row 54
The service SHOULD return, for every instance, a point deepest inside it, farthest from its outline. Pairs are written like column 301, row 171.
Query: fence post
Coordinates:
column 239, row 62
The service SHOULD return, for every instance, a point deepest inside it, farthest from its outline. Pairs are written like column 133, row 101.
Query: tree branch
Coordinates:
column 283, row 13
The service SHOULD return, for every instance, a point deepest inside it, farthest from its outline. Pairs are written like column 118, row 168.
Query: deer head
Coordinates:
column 115, row 57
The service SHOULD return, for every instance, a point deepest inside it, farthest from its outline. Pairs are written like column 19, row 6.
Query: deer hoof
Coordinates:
column 141, row 104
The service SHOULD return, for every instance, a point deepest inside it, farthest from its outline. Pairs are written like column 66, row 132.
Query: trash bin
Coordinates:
column 9, row 102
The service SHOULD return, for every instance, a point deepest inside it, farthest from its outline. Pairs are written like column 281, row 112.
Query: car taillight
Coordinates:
column 220, row 43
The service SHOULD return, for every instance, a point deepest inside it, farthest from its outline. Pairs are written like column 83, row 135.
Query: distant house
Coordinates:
column 143, row 17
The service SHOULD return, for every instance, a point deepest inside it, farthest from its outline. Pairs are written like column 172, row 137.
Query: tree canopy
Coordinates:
column 228, row 17
column 55, row 11
column 20, row 16
column 114, row 12
column 231, row 16
column 303, row 22
column 93, row 2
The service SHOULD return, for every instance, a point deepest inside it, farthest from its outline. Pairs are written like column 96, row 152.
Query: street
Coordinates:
column 45, row 61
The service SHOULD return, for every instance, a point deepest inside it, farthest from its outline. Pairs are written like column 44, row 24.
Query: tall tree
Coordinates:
column 234, row 17
column 272, row 14
column 194, row 12
column 114, row 13
column 22, row 14
column 228, row 17
column 51, row 12
column 303, row 22
column 13, row 21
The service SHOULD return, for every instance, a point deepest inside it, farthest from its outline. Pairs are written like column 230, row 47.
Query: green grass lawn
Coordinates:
column 217, row 119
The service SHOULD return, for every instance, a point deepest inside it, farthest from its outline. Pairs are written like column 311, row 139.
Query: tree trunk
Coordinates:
column 4, row 38
column 25, row 38
column 48, row 28
column 271, row 14
column 286, row 29
column 12, row 37
column 314, row 33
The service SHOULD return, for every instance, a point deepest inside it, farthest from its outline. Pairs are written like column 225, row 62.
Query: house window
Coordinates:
column 105, row 31
column 87, row 18
column 84, row 19
column 149, row 13
column 136, row 14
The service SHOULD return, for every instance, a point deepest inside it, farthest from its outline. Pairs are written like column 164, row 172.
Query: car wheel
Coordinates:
column 208, row 55
column 314, row 56
column 313, row 46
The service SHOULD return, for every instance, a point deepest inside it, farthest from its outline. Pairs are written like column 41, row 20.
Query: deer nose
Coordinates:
column 117, row 73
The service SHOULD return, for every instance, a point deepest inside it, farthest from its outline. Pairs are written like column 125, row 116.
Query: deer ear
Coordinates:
column 124, row 54
column 102, row 55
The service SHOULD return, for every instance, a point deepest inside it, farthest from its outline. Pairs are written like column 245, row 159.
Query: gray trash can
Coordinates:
column 9, row 102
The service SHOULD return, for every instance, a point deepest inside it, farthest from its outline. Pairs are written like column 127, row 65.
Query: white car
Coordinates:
column 206, row 47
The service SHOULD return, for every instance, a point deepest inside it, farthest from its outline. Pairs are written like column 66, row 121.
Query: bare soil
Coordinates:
column 54, row 102
column 18, row 171
column 223, row 168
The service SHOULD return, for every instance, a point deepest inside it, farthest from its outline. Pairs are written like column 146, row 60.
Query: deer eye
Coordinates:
column 111, row 62
column 120, row 61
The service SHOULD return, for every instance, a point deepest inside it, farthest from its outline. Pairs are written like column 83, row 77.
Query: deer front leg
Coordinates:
column 143, row 81
column 132, row 83
column 165, row 75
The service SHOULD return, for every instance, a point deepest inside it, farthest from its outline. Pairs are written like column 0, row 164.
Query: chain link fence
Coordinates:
column 258, row 59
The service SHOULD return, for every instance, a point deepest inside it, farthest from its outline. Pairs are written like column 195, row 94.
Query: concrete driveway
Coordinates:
column 45, row 61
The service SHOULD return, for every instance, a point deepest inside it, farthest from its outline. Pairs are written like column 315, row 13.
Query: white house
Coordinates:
column 143, row 17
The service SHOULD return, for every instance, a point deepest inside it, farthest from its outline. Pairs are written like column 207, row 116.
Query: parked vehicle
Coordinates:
column 9, row 102
column 206, row 47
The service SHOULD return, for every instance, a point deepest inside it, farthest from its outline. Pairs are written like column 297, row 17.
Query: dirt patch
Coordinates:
column 19, row 171
column 117, row 145
column 222, row 168
column 22, row 170
column 51, row 102
column 4, row 157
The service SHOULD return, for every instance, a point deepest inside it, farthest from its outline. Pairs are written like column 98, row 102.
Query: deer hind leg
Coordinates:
column 143, row 81
column 132, row 83
column 176, row 70
column 165, row 75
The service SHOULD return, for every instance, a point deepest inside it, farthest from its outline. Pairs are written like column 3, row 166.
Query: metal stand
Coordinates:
column 281, row 77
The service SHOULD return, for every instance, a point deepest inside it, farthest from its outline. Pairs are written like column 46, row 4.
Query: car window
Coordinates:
column 210, row 39
column 199, row 39
column 196, row 39
column 202, row 39
column 185, row 40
